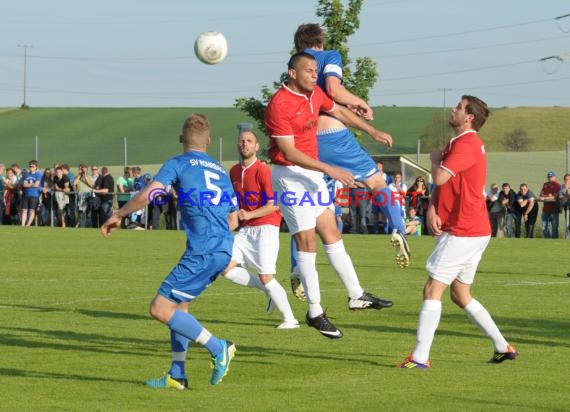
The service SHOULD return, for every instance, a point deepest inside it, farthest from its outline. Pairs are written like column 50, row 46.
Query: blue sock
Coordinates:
column 188, row 326
column 178, row 347
column 340, row 225
column 294, row 253
column 391, row 209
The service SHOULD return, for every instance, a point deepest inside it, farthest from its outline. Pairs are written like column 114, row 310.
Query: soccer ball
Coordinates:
column 211, row 47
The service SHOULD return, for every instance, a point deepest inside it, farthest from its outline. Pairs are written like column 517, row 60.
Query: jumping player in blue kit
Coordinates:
column 208, row 215
column 336, row 143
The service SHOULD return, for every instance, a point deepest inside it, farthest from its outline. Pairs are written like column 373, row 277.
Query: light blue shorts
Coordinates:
column 341, row 149
column 192, row 275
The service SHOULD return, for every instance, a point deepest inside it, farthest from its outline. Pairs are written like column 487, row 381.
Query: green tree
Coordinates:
column 340, row 23
column 517, row 140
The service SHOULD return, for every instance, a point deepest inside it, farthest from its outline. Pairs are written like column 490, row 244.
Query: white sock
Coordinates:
column 427, row 325
column 279, row 297
column 342, row 264
column 306, row 262
column 479, row 316
column 242, row 277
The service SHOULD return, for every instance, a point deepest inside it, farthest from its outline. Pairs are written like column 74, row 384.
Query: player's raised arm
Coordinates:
column 336, row 91
column 349, row 118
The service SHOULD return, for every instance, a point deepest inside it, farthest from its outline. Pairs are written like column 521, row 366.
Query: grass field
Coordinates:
column 76, row 334
column 91, row 135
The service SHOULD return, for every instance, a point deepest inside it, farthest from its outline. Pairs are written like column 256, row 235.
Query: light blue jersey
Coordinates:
column 205, row 198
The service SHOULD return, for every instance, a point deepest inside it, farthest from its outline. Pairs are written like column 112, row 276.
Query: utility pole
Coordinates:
column 25, row 47
column 444, row 113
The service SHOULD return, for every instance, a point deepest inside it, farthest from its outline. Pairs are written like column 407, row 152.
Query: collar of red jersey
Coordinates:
column 463, row 134
column 296, row 93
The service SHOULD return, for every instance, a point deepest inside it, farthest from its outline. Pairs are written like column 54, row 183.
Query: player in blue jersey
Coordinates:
column 338, row 146
column 208, row 215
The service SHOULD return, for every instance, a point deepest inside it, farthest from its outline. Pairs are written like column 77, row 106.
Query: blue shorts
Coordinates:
column 338, row 210
column 192, row 275
column 341, row 149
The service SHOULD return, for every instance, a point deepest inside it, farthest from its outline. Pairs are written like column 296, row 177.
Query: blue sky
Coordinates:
column 140, row 53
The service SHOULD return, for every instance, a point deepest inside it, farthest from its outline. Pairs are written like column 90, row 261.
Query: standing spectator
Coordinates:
column 10, row 184
column 2, row 171
column 31, row 193
column 62, row 187
column 564, row 196
column 125, row 185
column 508, row 199
column 528, row 209
column 94, row 201
column 83, row 188
column 17, row 194
column 171, row 213
column 46, row 197
column 104, row 191
column 70, row 208
column 358, row 209
column 399, row 190
column 550, row 207
column 496, row 211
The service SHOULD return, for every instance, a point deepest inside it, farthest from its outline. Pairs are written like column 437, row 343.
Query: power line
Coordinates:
column 472, row 69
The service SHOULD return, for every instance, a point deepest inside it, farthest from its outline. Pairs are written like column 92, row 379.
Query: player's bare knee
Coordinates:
column 460, row 296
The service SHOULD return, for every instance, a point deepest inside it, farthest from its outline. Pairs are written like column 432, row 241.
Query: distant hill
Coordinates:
column 96, row 135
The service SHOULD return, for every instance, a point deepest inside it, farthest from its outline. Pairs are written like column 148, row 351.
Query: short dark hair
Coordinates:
column 309, row 35
column 296, row 58
column 478, row 108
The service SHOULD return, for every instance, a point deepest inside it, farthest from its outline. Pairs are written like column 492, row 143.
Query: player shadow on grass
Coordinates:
column 26, row 373
column 66, row 340
column 251, row 354
column 519, row 330
column 87, row 312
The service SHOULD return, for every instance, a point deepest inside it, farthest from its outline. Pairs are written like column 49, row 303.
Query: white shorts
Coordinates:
column 257, row 247
column 301, row 186
column 456, row 258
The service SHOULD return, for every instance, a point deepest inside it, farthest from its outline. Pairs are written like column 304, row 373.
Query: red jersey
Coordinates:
column 460, row 201
column 292, row 114
column 252, row 185
column 551, row 188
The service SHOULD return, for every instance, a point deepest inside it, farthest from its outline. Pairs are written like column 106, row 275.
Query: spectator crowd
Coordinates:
column 85, row 199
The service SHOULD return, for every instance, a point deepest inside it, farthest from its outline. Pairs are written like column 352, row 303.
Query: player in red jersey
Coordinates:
column 256, row 243
column 457, row 215
column 291, row 120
